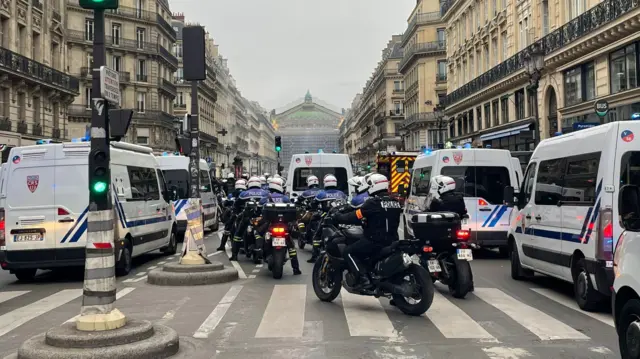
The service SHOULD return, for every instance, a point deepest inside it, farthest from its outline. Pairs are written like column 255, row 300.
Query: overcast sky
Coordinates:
column 277, row 49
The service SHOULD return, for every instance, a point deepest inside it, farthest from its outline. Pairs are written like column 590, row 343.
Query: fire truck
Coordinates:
column 397, row 167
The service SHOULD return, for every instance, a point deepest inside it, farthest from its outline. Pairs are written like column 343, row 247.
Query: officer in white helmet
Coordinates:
column 263, row 183
column 239, row 187
column 443, row 196
column 329, row 194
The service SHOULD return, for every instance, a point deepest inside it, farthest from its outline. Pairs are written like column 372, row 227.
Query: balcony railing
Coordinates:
column 19, row 65
column 56, row 133
column 154, row 115
column 166, row 26
column 5, row 124
column 168, row 56
column 421, row 48
column 182, row 106
column 167, row 86
column 589, row 21
column 79, row 110
column 22, row 127
column 142, row 78
column 396, row 91
column 419, row 118
column 36, row 4
column 441, row 77
column 124, row 11
column 56, row 16
column 85, row 72
column 420, row 19
column 36, row 130
column 446, row 5
column 394, row 113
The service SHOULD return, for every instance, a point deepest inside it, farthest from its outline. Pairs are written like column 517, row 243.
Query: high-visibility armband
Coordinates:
column 359, row 214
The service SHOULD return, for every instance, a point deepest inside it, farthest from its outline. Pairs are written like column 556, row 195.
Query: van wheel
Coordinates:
column 172, row 247
column 124, row 264
column 504, row 251
column 25, row 275
column 517, row 272
column 586, row 295
column 629, row 329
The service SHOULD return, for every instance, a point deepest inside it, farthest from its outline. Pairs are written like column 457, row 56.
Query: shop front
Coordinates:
column 516, row 138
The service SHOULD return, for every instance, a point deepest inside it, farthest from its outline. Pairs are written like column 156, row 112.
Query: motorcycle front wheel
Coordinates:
column 420, row 302
column 327, row 281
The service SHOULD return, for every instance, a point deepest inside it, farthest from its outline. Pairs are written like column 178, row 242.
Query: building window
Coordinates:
column 504, row 108
column 472, row 70
column 141, row 101
column 576, row 7
column 88, row 29
column 623, row 69
column 397, row 85
column 140, row 37
column 486, row 59
column 139, row 8
column 142, row 136
column 442, row 69
column 87, row 97
column 142, row 70
column 579, row 84
column 505, row 45
column 116, row 63
column 496, row 109
column 494, row 49
column 177, row 50
column 486, row 10
column 545, row 17
column 521, row 35
column 116, row 33
column 520, row 105
column 398, row 108
column 487, row 115
column 479, row 117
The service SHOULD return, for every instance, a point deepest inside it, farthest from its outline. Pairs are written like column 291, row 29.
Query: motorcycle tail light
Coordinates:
column 278, row 230
column 463, row 235
column 427, row 249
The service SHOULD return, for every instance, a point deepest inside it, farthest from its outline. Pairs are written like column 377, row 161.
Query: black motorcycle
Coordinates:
column 446, row 251
column 392, row 271
column 274, row 247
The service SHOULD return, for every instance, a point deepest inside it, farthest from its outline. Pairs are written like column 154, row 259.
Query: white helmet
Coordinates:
column 377, row 183
column 245, row 176
column 276, row 184
column 254, row 182
column 263, row 180
column 266, row 174
column 230, row 176
column 312, row 181
column 359, row 184
column 241, row 184
column 443, row 184
column 330, row 181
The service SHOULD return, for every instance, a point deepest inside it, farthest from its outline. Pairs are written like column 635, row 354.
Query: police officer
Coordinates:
column 239, row 187
column 263, row 183
column 446, row 198
column 324, row 198
column 360, row 187
column 380, row 218
column 253, row 193
column 313, row 188
column 276, row 195
column 230, row 182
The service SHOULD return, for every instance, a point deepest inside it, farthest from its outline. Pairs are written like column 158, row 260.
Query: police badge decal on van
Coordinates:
column 32, row 182
column 457, row 157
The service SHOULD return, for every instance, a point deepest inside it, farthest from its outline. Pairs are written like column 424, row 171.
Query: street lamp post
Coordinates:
column 439, row 113
column 534, row 62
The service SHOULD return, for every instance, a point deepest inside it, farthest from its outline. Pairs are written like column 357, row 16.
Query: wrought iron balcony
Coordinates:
column 182, row 106
column 418, row 20
column 36, row 4
column 22, row 127
column 36, row 129
column 142, row 78
column 441, row 77
column 168, row 56
column 56, row 16
column 5, row 124
column 56, row 133
column 124, row 11
column 586, row 23
column 420, row 117
column 125, row 77
column 397, row 91
column 79, row 110
column 28, row 69
column 155, row 115
column 394, row 113
column 421, row 49
column 446, row 5
column 166, row 26
column 168, row 87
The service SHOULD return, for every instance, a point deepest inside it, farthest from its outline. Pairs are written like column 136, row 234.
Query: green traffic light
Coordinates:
column 278, row 148
column 99, row 187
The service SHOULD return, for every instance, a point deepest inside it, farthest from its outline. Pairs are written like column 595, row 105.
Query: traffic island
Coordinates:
column 138, row 339
column 175, row 274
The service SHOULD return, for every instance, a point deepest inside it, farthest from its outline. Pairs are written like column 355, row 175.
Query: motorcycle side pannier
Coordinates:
column 284, row 212
column 439, row 228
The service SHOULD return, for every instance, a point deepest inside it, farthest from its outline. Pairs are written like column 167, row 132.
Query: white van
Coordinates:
column 319, row 165
column 176, row 172
column 46, row 196
column 569, row 223
column 481, row 174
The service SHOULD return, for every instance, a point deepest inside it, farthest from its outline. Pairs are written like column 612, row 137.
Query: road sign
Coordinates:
column 601, row 107
column 110, row 85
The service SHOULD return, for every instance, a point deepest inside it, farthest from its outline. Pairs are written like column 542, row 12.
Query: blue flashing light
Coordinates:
column 467, row 145
column 177, row 153
column 459, row 147
column 635, row 116
column 320, row 151
column 165, row 153
column 558, row 134
column 487, row 146
column 43, row 142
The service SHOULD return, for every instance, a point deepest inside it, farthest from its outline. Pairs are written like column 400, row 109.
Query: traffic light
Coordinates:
column 99, row 178
column 368, row 165
column 99, row 4
column 183, row 145
column 278, row 143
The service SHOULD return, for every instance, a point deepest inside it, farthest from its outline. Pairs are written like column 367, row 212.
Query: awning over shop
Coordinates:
column 504, row 133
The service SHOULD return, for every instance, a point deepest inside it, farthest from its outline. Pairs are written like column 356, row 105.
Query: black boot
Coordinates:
column 235, row 248
column 296, row 266
column 223, row 241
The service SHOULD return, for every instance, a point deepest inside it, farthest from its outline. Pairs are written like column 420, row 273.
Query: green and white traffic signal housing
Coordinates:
column 278, row 143
column 99, row 4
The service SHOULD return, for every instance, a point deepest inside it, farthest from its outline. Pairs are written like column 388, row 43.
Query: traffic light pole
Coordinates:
column 99, row 288
column 194, row 135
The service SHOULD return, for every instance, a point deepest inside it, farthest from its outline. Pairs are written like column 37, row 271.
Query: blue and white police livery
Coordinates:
column 310, row 193
column 274, row 198
column 253, row 194
column 358, row 200
column 330, row 195
column 45, row 191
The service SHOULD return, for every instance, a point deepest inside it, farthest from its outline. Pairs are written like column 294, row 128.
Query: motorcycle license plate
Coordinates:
column 278, row 242
column 434, row 266
column 465, row 254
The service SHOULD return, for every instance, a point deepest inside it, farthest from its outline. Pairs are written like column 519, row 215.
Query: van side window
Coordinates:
column 163, row 182
column 421, row 181
column 527, row 185
column 205, row 182
column 581, row 179
column 549, row 182
column 144, row 183
column 630, row 168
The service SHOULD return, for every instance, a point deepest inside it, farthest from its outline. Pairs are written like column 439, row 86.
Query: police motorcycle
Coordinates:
column 393, row 273
column 274, row 248
column 306, row 211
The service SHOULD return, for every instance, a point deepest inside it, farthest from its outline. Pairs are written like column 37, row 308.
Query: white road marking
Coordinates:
column 506, row 353
column 366, row 316
column 214, row 253
column 241, row 273
column 163, row 262
column 5, row 296
column 536, row 321
column 453, row 322
column 141, row 273
column 209, row 325
column 259, row 265
column 121, row 293
column 152, row 268
column 289, row 299
column 133, row 280
column 570, row 303
column 172, row 313
column 251, row 276
column 18, row 317
column 255, row 271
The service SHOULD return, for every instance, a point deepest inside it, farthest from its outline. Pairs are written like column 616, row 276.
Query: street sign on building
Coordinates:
column 110, row 85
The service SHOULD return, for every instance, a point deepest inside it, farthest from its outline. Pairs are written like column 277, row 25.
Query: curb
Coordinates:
column 185, row 275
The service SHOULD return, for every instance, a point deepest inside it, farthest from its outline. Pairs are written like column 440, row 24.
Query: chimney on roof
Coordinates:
column 178, row 16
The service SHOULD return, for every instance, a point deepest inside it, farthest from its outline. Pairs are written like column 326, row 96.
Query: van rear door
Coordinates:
column 30, row 211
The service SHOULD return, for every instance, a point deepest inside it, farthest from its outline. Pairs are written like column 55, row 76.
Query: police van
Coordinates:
column 481, row 175
column 43, row 224
column 176, row 172
column 569, row 220
column 319, row 165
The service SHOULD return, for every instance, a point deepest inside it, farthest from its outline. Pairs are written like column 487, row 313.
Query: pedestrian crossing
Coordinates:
column 241, row 313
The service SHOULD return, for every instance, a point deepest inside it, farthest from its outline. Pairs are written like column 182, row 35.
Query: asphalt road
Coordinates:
column 259, row 317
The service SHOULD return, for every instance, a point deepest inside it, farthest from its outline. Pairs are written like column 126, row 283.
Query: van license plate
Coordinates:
column 465, row 254
column 28, row 237
column 279, row 242
column 434, row 266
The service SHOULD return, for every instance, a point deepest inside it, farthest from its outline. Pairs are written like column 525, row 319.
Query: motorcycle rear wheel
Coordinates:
column 460, row 284
column 317, row 275
column 425, row 289
column 278, row 263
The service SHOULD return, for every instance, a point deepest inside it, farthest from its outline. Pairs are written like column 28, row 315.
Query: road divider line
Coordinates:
column 251, row 276
column 214, row 253
column 18, row 317
column 537, row 322
column 141, row 273
column 255, row 271
column 366, row 316
column 121, row 293
column 570, row 303
column 235, row 264
column 152, row 268
column 5, row 296
column 289, row 299
column 453, row 322
column 209, row 325
column 259, row 265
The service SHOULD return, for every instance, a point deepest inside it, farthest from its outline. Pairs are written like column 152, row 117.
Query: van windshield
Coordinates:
column 485, row 182
column 630, row 168
column 300, row 177
column 177, row 183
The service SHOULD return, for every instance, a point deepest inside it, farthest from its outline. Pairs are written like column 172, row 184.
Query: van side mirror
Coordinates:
column 166, row 196
column 508, row 197
column 629, row 207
